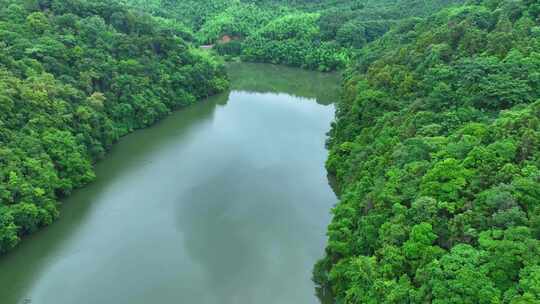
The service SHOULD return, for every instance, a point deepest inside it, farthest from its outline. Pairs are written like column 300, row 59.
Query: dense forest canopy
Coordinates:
column 435, row 147
column 74, row 77
column 319, row 35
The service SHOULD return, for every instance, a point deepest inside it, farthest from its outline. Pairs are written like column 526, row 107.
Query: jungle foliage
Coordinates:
column 320, row 35
column 75, row 76
column 436, row 149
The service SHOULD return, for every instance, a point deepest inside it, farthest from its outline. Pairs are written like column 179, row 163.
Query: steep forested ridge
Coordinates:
column 75, row 76
column 436, row 149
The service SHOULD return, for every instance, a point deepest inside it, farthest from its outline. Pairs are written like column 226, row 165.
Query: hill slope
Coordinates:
column 74, row 77
column 436, row 149
column 320, row 35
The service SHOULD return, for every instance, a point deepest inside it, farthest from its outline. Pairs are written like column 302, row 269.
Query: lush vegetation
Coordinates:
column 75, row 76
column 323, row 35
column 294, row 40
column 319, row 35
column 436, row 149
column 436, row 145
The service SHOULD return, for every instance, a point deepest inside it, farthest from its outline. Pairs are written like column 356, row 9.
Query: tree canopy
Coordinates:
column 75, row 76
column 436, row 149
column 319, row 35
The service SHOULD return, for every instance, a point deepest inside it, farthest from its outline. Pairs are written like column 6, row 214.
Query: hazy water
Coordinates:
column 223, row 202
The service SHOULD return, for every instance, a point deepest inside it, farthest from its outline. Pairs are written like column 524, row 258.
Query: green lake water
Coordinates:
column 223, row 202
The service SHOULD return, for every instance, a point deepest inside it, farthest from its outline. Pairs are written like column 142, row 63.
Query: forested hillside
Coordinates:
column 436, row 149
column 75, row 76
column 319, row 35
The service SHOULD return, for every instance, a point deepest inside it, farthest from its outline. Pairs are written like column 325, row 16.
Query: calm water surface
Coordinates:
column 224, row 202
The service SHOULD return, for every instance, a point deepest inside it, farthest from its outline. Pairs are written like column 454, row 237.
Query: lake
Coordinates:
column 226, row 201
